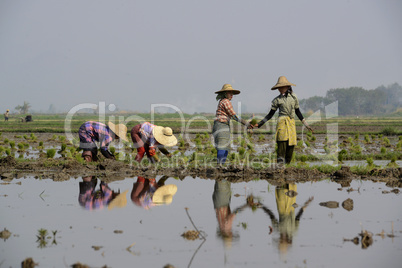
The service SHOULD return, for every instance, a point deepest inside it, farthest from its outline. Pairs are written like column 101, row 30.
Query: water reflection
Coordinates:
column 221, row 198
column 287, row 225
column 92, row 199
column 147, row 193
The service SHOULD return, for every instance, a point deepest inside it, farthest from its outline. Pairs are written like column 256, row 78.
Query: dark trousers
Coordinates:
column 285, row 152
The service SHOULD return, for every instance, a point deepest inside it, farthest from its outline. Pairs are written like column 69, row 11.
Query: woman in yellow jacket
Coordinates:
column 288, row 105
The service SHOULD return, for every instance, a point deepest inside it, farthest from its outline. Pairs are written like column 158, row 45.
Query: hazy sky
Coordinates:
column 134, row 53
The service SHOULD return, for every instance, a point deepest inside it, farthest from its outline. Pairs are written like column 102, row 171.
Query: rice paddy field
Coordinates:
column 336, row 204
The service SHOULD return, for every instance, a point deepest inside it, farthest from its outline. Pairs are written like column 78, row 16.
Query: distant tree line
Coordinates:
column 358, row 101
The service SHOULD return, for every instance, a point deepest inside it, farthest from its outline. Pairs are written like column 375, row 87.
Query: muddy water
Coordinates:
column 269, row 231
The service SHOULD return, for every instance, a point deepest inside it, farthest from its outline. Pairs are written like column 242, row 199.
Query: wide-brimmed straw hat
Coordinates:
column 282, row 82
column 119, row 129
column 119, row 201
column 164, row 136
column 226, row 88
column 7, row 110
column 164, row 194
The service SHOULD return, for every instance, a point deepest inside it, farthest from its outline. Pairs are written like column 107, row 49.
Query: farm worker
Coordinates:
column 288, row 106
column 92, row 131
column 221, row 128
column 147, row 137
column 6, row 115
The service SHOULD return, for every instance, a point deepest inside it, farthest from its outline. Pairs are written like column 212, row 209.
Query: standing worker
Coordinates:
column 6, row 115
column 92, row 131
column 221, row 128
column 288, row 106
column 147, row 137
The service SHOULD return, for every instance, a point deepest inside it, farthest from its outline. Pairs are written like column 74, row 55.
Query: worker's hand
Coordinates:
column 107, row 154
column 250, row 126
column 152, row 152
column 169, row 155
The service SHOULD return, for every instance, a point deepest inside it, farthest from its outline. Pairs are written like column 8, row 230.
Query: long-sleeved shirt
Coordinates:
column 92, row 131
column 225, row 112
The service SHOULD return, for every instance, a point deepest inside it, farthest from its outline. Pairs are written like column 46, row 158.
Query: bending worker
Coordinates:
column 147, row 137
column 91, row 131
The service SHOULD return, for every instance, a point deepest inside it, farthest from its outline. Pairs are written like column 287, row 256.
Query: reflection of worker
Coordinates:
column 6, row 115
column 288, row 223
column 104, row 197
column 147, row 193
column 91, row 132
column 221, row 198
column 147, row 137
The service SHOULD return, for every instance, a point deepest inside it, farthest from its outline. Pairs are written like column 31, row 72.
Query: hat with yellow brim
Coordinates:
column 228, row 88
column 164, row 136
column 282, row 82
column 119, row 129
column 164, row 194
column 119, row 201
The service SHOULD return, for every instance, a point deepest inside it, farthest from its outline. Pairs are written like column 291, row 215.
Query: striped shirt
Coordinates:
column 146, row 134
column 92, row 131
column 225, row 111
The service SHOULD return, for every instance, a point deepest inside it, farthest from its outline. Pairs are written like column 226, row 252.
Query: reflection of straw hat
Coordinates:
column 228, row 87
column 120, row 130
column 119, row 201
column 282, row 82
column 164, row 135
column 164, row 194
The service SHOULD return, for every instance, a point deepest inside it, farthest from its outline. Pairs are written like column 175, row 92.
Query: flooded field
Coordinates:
column 206, row 223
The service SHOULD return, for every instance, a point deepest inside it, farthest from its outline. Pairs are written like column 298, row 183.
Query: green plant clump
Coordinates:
column 50, row 153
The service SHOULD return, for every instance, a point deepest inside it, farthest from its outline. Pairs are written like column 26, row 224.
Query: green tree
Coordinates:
column 23, row 109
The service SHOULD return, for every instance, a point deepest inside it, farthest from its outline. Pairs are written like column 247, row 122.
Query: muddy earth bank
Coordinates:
column 109, row 170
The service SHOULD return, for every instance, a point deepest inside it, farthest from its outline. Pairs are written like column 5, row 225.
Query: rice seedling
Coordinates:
column 63, row 147
column 50, row 153
column 62, row 138
column 386, row 142
column 25, row 137
column 357, row 135
column 12, row 144
column 112, row 149
column 367, row 138
column 303, row 158
column 383, row 150
column 261, row 137
column 21, row 146
column 393, row 163
column 241, row 151
column 8, row 152
column 370, row 162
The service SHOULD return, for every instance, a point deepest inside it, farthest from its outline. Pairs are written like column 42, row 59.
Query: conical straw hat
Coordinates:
column 119, row 129
column 226, row 88
column 282, row 82
column 164, row 135
column 164, row 194
column 119, row 201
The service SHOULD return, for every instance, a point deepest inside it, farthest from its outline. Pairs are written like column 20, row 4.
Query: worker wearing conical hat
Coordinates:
column 91, row 132
column 288, row 105
column 221, row 128
column 6, row 115
column 147, row 137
